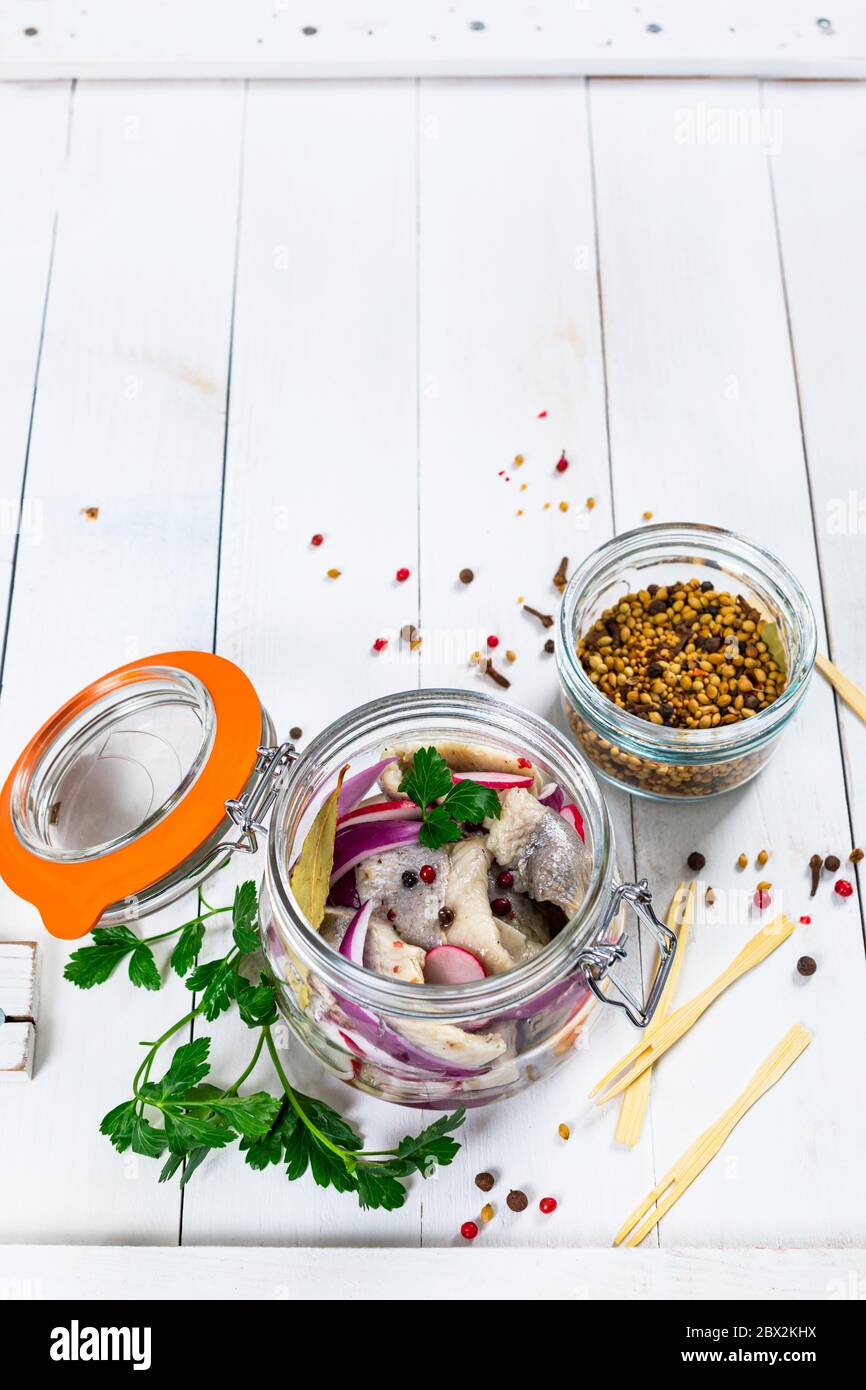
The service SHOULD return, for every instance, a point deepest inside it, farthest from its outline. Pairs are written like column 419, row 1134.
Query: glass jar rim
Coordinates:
column 661, row 742
column 441, row 1002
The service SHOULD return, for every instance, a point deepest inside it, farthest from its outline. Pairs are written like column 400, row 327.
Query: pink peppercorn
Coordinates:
column 492, row 642
column 762, row 899
column 316, row 539
column 843, row 888
column 469, row 1230
column 562, row 463
column 402, row 575
column 805, row 921
column 380, row 644
column 547, row 1205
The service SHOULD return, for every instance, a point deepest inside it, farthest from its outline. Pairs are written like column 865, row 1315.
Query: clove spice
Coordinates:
column 560, row 579
column 816, row 863
column 545, row 619
column 488, row 669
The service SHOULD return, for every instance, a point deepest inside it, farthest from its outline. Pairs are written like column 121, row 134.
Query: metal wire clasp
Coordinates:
column 597, row 960
column 249, row 811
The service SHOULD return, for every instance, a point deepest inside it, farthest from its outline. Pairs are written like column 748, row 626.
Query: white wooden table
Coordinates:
column 236, row 314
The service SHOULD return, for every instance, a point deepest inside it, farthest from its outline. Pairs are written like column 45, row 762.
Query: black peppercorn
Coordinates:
column 806, row 965
column 667, row 712
column 654, row 670
column 408, row 878
column 707, row 586
column 658, row 605
column 446, row 916
column 696, row 860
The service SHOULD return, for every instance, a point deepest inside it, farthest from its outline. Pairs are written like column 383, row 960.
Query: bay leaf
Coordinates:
column 771, row 636
column 312, row 874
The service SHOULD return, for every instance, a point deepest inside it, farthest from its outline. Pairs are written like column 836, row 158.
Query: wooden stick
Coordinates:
column 851, row 693
column 649, row 1050
column 707, row 1145
column 636, row 1098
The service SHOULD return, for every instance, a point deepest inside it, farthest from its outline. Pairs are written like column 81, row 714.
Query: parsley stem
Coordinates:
column 294, row 1103
column 233, row 1089
column 143, row 1073
column 202, row 917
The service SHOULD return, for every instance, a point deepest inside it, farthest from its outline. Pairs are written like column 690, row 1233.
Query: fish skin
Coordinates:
column 543, row 850
column 416, row 909
column 474, row 926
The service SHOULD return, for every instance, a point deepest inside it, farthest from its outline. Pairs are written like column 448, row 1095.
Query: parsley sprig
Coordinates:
column 445, row 804
column 186, row 1117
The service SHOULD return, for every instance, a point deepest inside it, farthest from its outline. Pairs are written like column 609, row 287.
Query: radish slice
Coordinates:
column 352, row 945
column 499, row 781
column 451, row 965
column 357, row 787
column 553, row 796
column 573, row 816
column 353, row 843
column 372, row 812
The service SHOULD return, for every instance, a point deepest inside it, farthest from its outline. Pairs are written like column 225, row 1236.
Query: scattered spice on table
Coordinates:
column 805, row 921
column 560, row 579
column 317, row 539
column 563, row 1131
column 685, row 657
column 816, row 863
column 546, row 507
column 563, row 506
column 519, row 512
column 832, row 863
column 334, row 574
column 550, row 646
column 518, row 460
column 466, row 576
column 485, row 1181
column 856, row 856
column 91, row 513
column 409, row 632
column 380, row 644
column 806, row 965
column 402, row 575
column 763, row 856
column 542, row 415
column 517, row 1200
column 710, row 896
column 696, row 860
column 493, row 641
column 488, row 669
column 590, row 503
column 487, row 1212
column 843, row 888
column 546, row 619
column 647, row 516
column 762, row 899
column 510, row 656
column 469, row 1230
column 547, row 1205
column 561, row 463
column 742, row 861
column 296, row 733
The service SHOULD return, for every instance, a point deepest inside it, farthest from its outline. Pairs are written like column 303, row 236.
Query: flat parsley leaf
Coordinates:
column 142, row 968
column 377, row 1188
column 188, row 946
column 92, row 965
column 256, row 1003
column 432, row 1148
column 430, row 780
column 218, row 981
column 245, row 918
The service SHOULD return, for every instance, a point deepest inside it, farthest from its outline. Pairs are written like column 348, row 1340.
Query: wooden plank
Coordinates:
column 30, row 169
column 510, row 329
column 704, row 425
column 289, row 38
column 129, row 417
column 322, row 439
column 238, row 1273
column 821, row 204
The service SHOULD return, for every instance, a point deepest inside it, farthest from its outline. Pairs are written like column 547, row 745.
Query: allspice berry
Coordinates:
column 466, row 576
column 485, row 1181
column 696, row 860
column 831, row 863
column 806, row 965
column 517, row 1200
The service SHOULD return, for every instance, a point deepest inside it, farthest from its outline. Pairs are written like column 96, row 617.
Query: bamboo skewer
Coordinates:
column 707, row 1145
column 851, row 693
column 636, row 1098
column 648, row 1050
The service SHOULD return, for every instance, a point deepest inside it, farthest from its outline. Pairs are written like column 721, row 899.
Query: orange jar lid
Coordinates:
column 124, row 784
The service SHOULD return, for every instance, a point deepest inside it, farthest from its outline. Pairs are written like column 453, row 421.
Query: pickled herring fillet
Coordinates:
column 416, row 909
column 474, row 926
column 387, row 954
column 460, row 757
column 450, row 1043
column 545, row 852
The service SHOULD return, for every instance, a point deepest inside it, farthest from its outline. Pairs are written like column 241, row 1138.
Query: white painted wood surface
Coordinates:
column 259, row 1274
column 399, row 278
column 442, row 38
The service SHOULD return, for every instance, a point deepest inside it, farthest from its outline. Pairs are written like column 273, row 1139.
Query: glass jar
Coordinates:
column 654, row 760
column 440, row 1045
